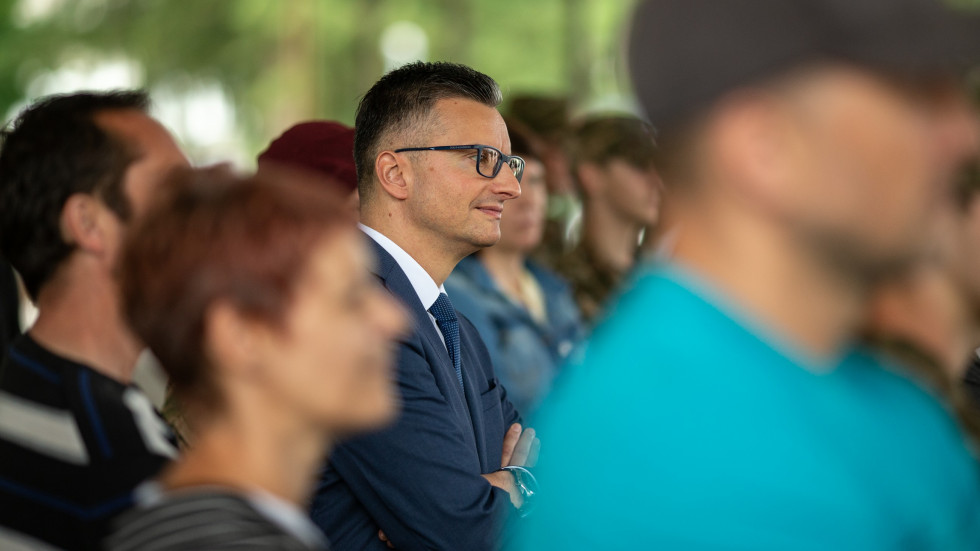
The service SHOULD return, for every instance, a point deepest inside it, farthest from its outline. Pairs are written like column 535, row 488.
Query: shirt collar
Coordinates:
column 288, row 517
column 425, row 287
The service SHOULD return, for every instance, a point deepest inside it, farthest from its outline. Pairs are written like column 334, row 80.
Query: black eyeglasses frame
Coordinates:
column 501, row 158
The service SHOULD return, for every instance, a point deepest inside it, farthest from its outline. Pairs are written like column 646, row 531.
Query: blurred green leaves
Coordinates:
column 280, row 61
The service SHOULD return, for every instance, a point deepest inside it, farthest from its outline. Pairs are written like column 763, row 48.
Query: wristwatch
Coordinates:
column 527, row 485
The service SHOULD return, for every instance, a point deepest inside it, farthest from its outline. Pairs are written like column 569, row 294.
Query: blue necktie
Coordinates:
column 445, row 316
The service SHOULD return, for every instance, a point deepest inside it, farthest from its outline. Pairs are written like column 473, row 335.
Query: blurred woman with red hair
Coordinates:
column 255, row 295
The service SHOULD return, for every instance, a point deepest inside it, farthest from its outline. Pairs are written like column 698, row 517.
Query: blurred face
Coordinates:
column 157, row 155
column 634, row 193
column 558, row 175
column 966, row 256
column 958, row 140
column 959, row 244
column 331, row 362
column 523, row 224
column 449, row 200
column 926, row 304
column 955, row 126
column 870, row 179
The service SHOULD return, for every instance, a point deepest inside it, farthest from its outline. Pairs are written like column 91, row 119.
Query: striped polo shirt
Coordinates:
column 74, row 443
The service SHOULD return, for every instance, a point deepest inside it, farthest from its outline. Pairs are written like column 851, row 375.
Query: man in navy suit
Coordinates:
column 433, row 175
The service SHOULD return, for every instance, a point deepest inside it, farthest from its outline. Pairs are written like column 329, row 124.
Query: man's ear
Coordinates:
column 755, row 144
column 394, row 174
column 82, row 223
column 591, row 178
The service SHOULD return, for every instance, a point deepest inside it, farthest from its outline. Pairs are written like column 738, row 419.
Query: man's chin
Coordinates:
column 484, row 239
column 486, row 242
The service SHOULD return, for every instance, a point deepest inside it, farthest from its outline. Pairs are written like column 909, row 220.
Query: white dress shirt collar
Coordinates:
column 425, row 287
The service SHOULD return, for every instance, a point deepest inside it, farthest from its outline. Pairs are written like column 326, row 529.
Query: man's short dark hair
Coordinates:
column 404, row 98
column 51, row 151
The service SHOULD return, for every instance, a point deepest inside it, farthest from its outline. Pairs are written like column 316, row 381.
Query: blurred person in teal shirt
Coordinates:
column 724, row 403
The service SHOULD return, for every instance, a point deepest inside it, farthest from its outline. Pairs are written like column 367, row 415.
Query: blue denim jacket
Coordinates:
column 526, row 354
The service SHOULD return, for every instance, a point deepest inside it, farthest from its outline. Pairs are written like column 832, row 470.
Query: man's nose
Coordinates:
column 506, row 185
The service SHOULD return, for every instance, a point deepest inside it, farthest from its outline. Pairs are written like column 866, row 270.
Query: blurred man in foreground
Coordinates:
column 75, row 435
column 726, row 403
column 929, row 316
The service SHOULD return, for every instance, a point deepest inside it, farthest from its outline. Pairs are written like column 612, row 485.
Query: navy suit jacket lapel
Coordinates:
column 395, row 280
column 473, row 387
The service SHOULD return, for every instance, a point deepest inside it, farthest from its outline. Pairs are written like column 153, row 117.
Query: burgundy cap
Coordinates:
column 325, row 147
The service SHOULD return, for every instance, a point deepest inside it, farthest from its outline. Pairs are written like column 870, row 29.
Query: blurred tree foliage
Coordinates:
column 284, row 60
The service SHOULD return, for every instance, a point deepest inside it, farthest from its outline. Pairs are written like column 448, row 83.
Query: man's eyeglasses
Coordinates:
column 488, row 159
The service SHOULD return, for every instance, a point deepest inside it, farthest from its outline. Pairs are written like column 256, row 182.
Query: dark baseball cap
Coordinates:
column 325, row 147
column 686, row 54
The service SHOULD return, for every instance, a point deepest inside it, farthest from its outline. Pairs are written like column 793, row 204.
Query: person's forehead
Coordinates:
column 466, row 121
column 129, row 125
column 137, row 129
column 844, row 80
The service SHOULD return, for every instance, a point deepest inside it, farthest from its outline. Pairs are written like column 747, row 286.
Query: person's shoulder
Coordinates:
column 31, row 370
column 664, row 302
column 639, row 330
column 126, row 437
column 199, row 520
column 666, row 326
column 888, row 375
column 39, row 416
column 893, row 382
column 897, row 392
